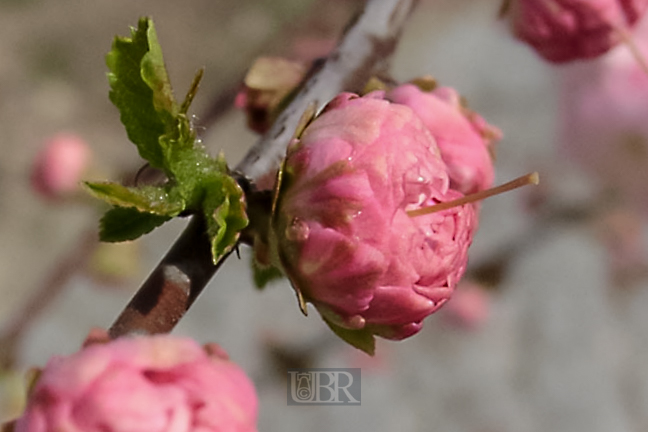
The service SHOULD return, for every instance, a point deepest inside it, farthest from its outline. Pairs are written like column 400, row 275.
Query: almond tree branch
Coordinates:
column 187, row 268
column 365, row 49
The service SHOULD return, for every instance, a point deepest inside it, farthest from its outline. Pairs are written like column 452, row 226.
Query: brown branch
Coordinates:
column 365, row 49
column 183, row 273
column 172, row 287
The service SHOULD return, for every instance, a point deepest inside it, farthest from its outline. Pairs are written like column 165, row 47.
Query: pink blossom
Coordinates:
column 464, row 138
column 147, row 384
column 341, row 228
column 565, row 30
column 59, row 166
column 603, row 120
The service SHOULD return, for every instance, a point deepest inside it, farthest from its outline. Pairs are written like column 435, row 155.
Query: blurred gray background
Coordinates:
column 563, row 349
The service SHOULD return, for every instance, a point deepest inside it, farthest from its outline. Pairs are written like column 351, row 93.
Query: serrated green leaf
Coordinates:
column 165, row 137
column 141, row 90
column 147, row 199
column 224, row 212
column 363, row 339
column 122, row 224
column 154, row 73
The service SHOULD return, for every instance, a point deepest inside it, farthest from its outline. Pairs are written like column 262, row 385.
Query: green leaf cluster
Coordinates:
column 165, row 138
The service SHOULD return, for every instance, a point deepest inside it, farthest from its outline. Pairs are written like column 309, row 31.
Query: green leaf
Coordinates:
column 122, row 224
column 185, row 159
column 147, row 199
column 363, row 339
column 165, row 137
column 141, row 90
column 155, row 75
column 224, row 212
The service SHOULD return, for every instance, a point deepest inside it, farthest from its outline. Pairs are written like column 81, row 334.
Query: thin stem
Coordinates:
column 528, row 179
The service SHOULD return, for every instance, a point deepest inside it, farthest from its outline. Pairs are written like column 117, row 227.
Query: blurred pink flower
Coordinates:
column 622, row 234
column 341, row 228
column 464, row 138
column 469, row 307
column 60, row 165
column 604, row 127
column 565, row 30
column 147, row 384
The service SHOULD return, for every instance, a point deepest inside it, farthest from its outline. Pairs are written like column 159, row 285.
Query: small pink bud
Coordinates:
column 59, row 166
column 147, row 384
column 464, row 138
column 341, row 227
column 565, row 30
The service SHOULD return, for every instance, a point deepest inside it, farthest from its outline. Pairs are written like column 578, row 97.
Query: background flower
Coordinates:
column 60, row 165
column 603, row 116
column 148, row 384
column 565, row 30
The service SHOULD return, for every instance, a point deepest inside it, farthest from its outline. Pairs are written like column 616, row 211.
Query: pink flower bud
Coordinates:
column 463, row 137
column 147, row 384
column 340, row 224
column 565, row 30
column 59, row 166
